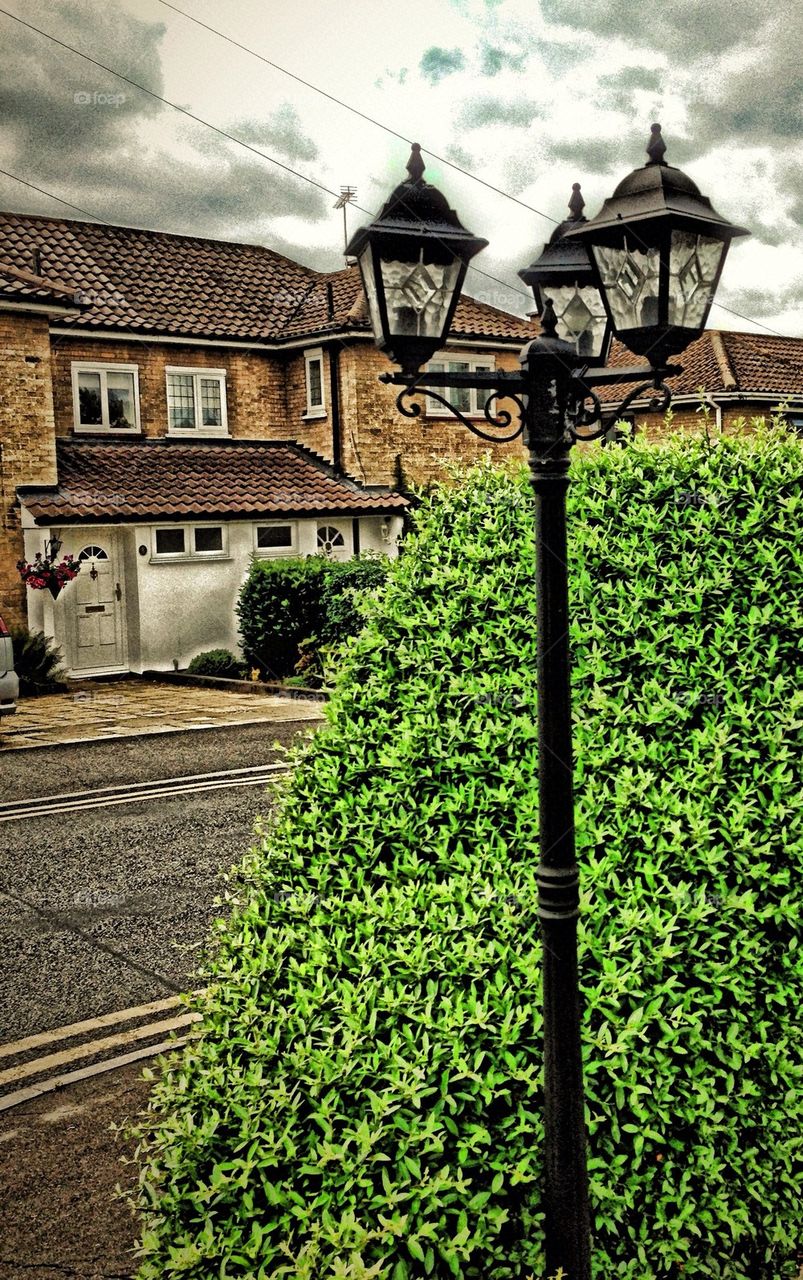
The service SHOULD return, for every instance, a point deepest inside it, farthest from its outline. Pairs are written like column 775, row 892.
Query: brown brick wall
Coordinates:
column 313, row 433
column 374, row 432
column 737, row 419
column 255, row 386
column 27, row 444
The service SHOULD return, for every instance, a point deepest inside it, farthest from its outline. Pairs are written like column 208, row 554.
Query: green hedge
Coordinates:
column 364, row 1098
column 345, row 585
column 286, row 602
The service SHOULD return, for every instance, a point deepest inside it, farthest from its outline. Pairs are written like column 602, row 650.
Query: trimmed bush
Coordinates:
column 363, row 1095
column 218, row 662
column 291, row 609
column 345, row 587
column 279, row 606
column 37, row 662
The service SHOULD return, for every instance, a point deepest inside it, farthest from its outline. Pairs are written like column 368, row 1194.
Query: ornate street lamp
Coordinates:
column 658, row 248
column 656, row 252
column 413, row 260
column 565, row 274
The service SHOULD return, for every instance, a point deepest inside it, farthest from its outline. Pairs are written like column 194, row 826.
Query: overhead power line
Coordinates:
column 263, row 155
column 394, row 133
column 280, row 164
column 355, row 111
column 50, row 195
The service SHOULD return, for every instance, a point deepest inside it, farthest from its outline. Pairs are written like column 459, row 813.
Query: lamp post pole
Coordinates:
column 566, row 1211
column 646, row 268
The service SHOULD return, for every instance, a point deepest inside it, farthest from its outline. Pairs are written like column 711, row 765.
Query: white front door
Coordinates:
column 96, row 601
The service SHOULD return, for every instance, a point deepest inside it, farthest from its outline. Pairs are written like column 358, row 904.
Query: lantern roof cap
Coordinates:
column 561, row 255
column 416, row 208
column 655, row 192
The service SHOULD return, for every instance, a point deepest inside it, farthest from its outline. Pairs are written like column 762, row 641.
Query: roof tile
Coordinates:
column 153, row 282
column 725, row 363
column 160, row 479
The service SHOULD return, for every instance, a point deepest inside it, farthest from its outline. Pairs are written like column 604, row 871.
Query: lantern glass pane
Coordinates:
column 581, row 316
column 630, row 277
column 369, row 285
column 693, row 265
column 418, row 296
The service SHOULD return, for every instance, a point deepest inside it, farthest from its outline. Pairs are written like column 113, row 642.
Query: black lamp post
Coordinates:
column 655, row 255
column 413, row 261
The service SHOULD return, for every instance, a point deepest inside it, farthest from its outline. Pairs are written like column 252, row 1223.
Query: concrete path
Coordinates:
column 129, row 708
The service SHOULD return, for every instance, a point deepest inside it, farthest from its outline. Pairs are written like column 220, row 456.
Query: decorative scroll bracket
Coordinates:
column 588, row 422
column 499, row 386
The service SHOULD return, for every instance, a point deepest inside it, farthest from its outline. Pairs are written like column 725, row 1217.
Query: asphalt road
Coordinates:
column 111, row 908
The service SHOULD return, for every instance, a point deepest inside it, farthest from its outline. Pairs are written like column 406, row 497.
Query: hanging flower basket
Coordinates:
column 43, row 574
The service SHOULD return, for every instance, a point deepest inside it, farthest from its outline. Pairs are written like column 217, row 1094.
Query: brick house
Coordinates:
column 171, row 406
column 740, row 376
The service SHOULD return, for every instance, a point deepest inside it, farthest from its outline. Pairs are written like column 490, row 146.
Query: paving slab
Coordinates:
column 130, row 708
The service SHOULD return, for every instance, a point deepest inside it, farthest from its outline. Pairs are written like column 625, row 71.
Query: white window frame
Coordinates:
column 475, row 365
column 196, row 372
column 189, row 553
column 267, row 552
column 314, row 410
column 103, row 367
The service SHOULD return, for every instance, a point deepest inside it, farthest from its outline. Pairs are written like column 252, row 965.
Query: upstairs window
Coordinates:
column 313, row 373
column 105, row 397
column 196, row 401
column 466, row 399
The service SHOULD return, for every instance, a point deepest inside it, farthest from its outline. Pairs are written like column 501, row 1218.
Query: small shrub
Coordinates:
column 363, row 1097
column 293, row 612
column 279, row 606
column 220, row 663
column 37, row 662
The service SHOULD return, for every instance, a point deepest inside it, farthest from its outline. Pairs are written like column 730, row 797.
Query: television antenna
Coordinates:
column 347, row 194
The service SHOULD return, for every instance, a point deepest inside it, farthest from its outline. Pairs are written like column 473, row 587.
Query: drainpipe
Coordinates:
column 717, row 407
column 334, row 399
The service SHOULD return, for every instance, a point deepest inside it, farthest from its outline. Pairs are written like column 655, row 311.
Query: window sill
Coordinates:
column 312, row 415
column 107, row 431
column 196, row 433
column 445, row 415
column 213, row 556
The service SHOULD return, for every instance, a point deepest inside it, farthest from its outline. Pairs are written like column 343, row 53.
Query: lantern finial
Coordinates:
column 415, row 165
column 576, row 204
column 549, row 321
column 656, row 147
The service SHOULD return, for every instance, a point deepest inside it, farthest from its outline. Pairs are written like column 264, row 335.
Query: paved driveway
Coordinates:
column 129, row 708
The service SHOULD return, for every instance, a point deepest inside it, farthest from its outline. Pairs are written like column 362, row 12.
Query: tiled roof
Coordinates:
column 148, row 282
column 725, row 363
column 18, row 284
column 152, row 282
column 763, row 362
column 343, row 289
column 144, row 479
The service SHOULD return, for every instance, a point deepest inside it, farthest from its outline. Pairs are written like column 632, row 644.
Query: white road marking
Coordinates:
column 83, row 1073
column 43, row 806
column 89, row 1048
column 44, row 1038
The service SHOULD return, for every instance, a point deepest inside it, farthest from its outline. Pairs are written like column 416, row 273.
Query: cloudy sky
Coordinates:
column 528, row 95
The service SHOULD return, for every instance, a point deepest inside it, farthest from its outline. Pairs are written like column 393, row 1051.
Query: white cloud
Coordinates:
column 531, row 99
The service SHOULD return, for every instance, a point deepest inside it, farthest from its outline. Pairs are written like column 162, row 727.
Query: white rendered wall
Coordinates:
column 177, row 609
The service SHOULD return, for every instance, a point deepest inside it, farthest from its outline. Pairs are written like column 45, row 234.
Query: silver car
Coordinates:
column 9, row 684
